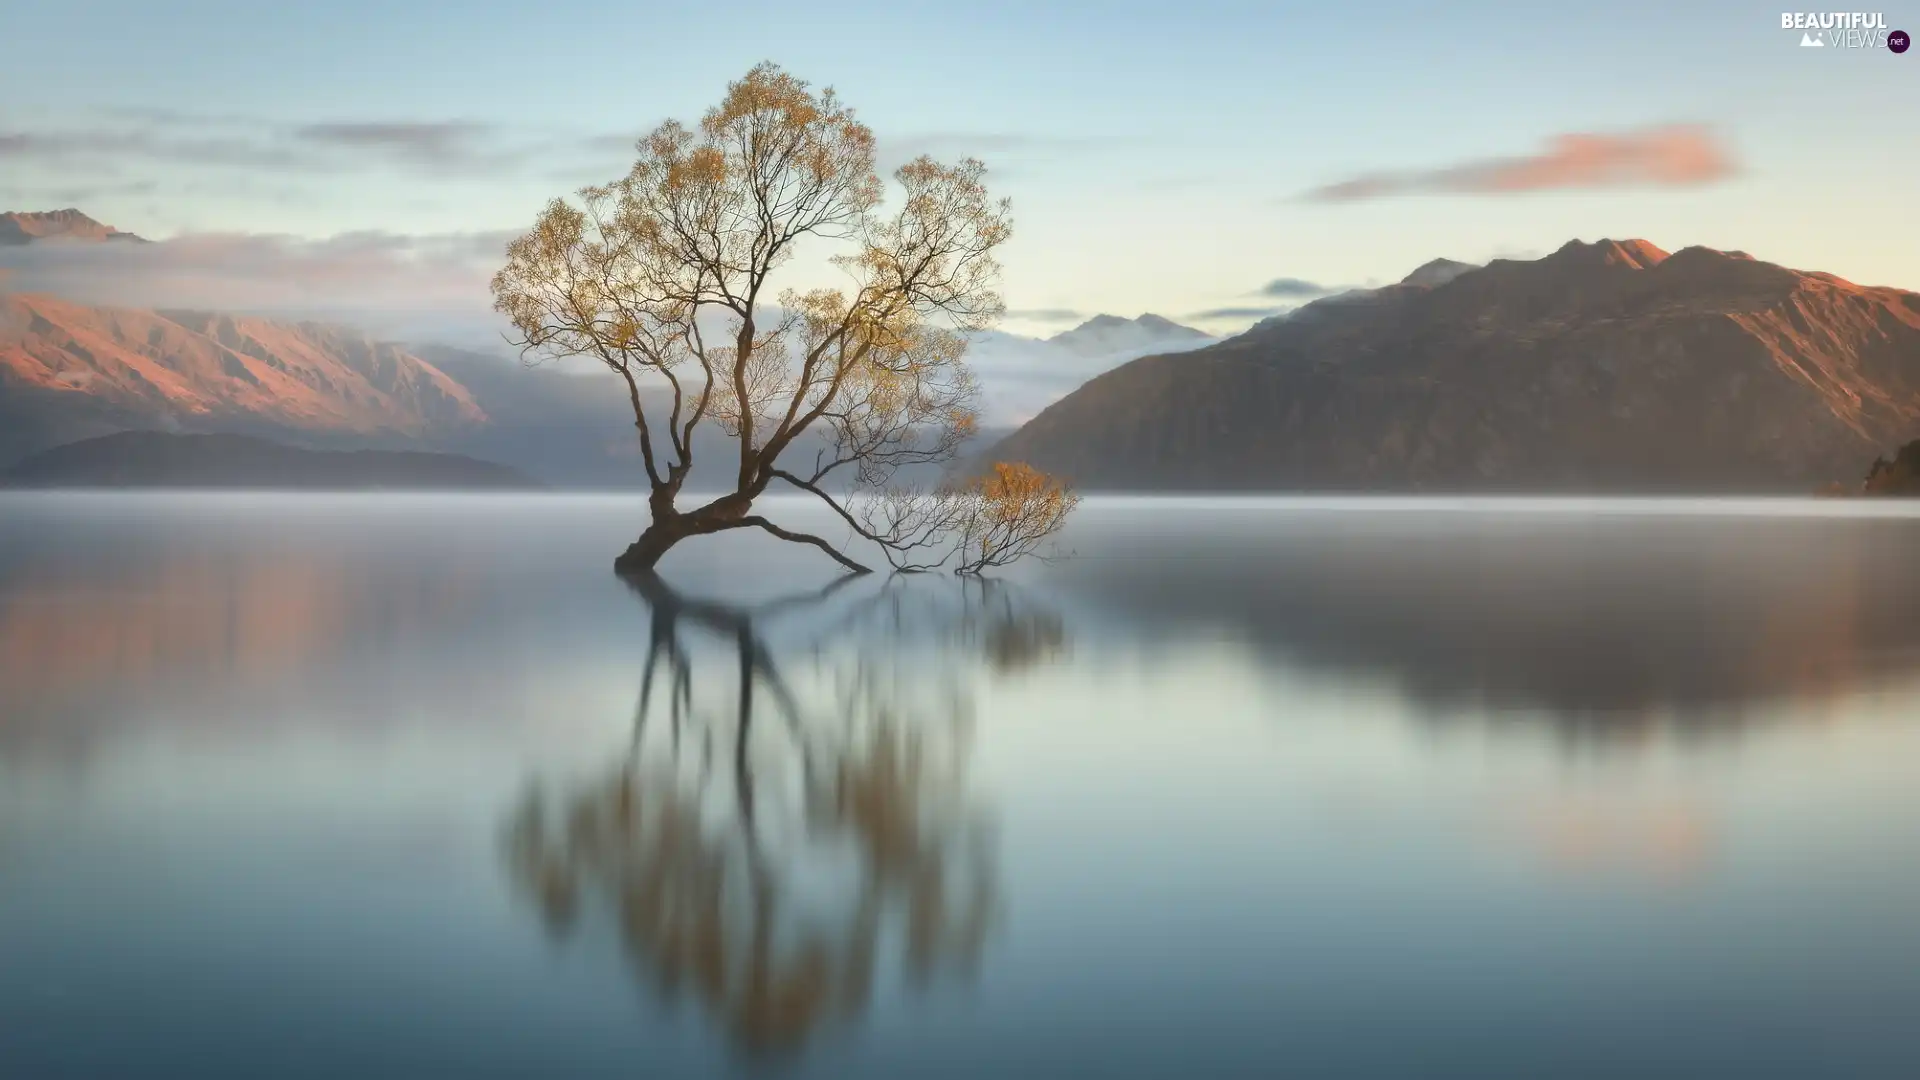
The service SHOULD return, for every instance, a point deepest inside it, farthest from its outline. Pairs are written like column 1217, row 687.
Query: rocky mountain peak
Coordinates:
column 1437, row 272
column 28, row 226
column 1106, row 334
column 1632, row 254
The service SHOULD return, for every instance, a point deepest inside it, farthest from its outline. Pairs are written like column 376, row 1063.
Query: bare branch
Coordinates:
column 754, row 521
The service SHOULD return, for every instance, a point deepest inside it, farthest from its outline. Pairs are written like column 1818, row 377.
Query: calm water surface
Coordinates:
column 414, row 787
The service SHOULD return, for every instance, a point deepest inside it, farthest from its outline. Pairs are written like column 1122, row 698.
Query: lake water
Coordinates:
column 414, row 787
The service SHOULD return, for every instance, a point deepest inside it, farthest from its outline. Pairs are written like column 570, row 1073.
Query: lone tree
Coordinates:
column 665, row 277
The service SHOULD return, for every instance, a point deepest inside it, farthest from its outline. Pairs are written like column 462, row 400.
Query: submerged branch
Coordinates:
column 755, row 521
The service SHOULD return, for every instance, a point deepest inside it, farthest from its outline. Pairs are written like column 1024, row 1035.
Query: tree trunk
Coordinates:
column 728, row 512
column 645, row 553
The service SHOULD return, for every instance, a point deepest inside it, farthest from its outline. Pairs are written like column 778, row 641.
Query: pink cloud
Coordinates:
column 1679, row 155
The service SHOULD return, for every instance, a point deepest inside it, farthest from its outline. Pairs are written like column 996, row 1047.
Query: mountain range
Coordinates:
column 69, row 371
column 1607, row 366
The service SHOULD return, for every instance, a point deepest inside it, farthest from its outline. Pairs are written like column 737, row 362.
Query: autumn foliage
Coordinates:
column 1013, row 509
column 665, row 278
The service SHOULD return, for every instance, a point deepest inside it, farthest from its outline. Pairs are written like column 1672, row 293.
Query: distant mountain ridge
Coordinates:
column 1437, row 272
column 18, row 227
column 151, row 459
column 68, row 371
column 1107, row 334
column 1610, row 366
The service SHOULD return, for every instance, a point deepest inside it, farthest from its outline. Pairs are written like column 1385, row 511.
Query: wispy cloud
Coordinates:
column 1047, row 315
column 1007, row 155
column 113, row 148
column 1238, row 314
column 949, row 144
column 439, row 142
column 371, row 271
column 1287, row 293
column 73, row 194
column 132, row 142
column 1679, row 155
column 133, row 139
column 1294, row 287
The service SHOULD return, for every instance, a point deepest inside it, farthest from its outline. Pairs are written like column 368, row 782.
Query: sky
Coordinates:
column 1207, row 161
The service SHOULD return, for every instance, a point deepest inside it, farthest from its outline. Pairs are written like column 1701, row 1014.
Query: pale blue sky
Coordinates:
column 1155, row 153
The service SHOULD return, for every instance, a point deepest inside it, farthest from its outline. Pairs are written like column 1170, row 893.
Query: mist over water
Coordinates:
column 404, row 786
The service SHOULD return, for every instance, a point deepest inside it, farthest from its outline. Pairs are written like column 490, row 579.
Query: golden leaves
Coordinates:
column 768, row 89
column 701, row 219
column 1015, row 492
column 706, row 166
column 992, row 520
column 634, row 271
column 624, row 333
column 1014, row 507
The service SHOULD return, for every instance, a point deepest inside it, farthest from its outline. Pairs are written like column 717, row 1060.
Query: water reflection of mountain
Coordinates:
column 791, row 823
column 1609, row 620
column 220, row 634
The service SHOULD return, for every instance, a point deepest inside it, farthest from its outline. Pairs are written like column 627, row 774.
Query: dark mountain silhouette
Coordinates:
column 1437, row 272
column 151, row 459
column 1897, row 476
column 1609, row 366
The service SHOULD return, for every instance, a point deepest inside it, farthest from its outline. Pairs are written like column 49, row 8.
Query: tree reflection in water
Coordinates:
column 778, row 823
